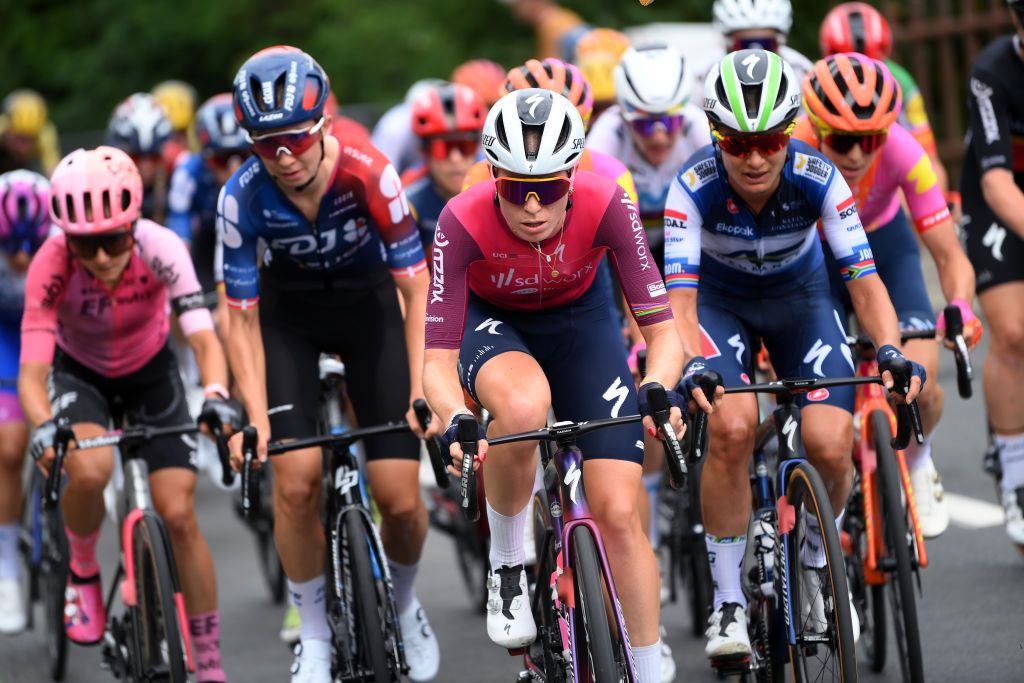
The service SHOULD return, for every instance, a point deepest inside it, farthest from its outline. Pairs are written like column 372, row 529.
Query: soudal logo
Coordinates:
column 846, row 208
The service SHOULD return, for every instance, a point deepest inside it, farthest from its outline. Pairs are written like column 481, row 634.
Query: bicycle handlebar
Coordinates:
column 955, row 335
column 468, row 433
column 660, row 410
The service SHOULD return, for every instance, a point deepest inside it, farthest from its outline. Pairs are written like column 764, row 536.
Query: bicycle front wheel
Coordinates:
column 159, row 645
column 372, row 654
column 53, row 577
column 900, row 584
column 592, row 629
column 819, row 598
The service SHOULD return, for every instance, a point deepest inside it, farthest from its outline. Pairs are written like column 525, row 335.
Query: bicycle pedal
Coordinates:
column 733, row 665
column 518, row 651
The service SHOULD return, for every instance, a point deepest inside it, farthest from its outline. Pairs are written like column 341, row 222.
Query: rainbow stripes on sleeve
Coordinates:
column 644, row 311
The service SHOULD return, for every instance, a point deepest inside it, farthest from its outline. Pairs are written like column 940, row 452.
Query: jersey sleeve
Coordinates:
column 989, row 118
column 390, row 210
column 683, row 225
column 604, row 135
column 453, row 251
column 918, row 180
column 46, row 284
column 698, row 130
column 168, row 258
column 623, row 234
column 843, row 231
column 181, row 200
column 239, row 242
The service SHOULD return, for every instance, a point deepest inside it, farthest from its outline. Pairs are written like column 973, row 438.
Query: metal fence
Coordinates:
column 937, row 40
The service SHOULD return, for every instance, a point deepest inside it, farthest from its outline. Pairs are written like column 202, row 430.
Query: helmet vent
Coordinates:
column 107, row 212
column 857, row 32
column 126, row 200
column 532, row 136
column 501, row 134
column 22, row 209
column 752, row 99
column 563, row 135
column 70, row 209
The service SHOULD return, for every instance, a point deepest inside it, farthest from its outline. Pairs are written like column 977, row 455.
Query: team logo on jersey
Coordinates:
column 674, row 219
column 818, row 394
column 354, row 230
column 708, row 348
column 815, row 168
column 700, row 174
column 846, row 207
column 731, row 207
column 227, row 220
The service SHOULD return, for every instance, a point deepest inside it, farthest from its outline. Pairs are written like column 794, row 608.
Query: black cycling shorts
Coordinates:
column 152, row 396
column 366, row 329
column 995, row 251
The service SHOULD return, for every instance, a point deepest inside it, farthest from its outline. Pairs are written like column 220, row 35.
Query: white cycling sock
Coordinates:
column 648, row 662
column 652, row 482
column 308, row 598
column 1011, row 457
column 403, row 576
column 10, row 567
column 507, row 537
column 812, row 554
column 725, row 555
column 919, row 456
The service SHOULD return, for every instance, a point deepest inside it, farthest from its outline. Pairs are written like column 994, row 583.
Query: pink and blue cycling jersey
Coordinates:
column 114, row 332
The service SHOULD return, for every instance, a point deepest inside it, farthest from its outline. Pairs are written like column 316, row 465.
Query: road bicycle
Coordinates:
column 581, row 634
column 886, row 548
column 797, row 615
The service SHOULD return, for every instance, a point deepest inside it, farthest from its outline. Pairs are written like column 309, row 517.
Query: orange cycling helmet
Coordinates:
column 597, row 53
column 483, row 76
column 855, row 27
column 851, row 93
column 557, row 76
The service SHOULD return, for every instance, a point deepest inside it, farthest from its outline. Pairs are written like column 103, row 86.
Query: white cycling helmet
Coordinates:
column 751, row 91
column 562, row 136
column 652, row 79
column 730, row 16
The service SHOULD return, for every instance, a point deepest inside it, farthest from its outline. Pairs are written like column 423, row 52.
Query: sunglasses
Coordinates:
column 113, row 244
column 771, row 44
column 743, row 144
column 545, row 190
column 843, row 142
column 439, row 148
column 293, row 142
column 647, row 126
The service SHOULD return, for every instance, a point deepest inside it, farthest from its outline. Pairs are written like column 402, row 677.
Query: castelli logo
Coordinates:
column 731, row 206
column 818, row 395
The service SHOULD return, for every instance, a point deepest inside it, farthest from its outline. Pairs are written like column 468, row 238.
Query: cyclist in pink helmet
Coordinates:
column 24, row 223
column 96, row 325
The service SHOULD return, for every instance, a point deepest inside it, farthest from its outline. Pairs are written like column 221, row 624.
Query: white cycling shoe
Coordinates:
column 1012, row 504
column 668, row 662
column 727, row 634
column 422, row 653
column 312, row 662
column 812, row 604
column 932, row 508
column 510, row 622
column 12, row 607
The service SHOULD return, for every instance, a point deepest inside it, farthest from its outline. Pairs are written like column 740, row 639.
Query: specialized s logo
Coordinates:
column 617, row 394
column 572, row 480
column 750, row 62
column 534, row 101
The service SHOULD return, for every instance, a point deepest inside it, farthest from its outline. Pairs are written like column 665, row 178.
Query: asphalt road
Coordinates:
column 971, row 609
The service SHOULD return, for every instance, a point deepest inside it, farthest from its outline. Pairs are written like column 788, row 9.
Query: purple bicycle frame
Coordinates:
column 568, row 510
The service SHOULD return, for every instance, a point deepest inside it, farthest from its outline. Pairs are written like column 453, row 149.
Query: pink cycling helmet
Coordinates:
column 94, row 191
column 24, row 216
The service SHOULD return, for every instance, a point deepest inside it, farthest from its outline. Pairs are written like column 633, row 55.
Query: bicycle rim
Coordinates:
column 54, row 576
column 701, row 593
column 899, row 586
column 594, row 640
column 870, row 599
column 370, row 615
column 266, row 549
column 824, row 650
column 549, row 634
column 160, row 645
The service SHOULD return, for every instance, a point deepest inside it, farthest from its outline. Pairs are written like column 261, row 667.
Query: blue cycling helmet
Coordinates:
column 139, row 126
column 278, row 87
column 24, row 211
column 217, row 128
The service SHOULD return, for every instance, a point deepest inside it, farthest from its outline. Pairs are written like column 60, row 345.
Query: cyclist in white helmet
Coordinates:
column 752, row 24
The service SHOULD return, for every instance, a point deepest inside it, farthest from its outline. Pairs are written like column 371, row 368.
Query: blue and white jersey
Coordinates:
column 192, row 197
column 12, row 295
column 710, row 233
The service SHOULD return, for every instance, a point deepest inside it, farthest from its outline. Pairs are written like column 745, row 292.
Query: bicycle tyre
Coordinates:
column 591, row 614
column 266, row 550
column 870, row 598
column 806, row 491
column 158, row 630
column 549, row 635
column 53, row 574
column 369, row 624
column 701, row 593
column 900, row 587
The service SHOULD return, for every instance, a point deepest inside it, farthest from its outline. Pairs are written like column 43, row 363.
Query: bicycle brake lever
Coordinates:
column 250, row 497
column 660, row 411
column 709, row 381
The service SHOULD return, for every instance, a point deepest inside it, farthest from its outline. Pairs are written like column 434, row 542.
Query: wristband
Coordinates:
column 216, row 388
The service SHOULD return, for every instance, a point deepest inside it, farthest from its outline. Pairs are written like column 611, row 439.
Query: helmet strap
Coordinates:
column 316, row 172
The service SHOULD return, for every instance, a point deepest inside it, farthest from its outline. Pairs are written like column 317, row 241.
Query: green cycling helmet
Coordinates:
column 751, row 91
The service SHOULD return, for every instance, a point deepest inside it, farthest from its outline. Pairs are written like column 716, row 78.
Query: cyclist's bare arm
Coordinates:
column 444, row 394
column 684, row 309
column 1004, row 198
column 664, row 353
column 32, row 392
column 876, row 315
column 245, row 354
column 414, row 295
column 956, row 275
column 213, row 368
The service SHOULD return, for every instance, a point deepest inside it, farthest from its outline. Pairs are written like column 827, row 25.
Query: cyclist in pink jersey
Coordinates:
column 96, row 326
column 515, row 315
column 845, row 98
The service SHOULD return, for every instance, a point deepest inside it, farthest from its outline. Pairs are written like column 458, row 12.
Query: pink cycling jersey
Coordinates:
column 114, row 332
column 474, row 249
column 902, row 164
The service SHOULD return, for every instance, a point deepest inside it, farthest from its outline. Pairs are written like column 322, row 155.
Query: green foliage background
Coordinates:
column 86, row 56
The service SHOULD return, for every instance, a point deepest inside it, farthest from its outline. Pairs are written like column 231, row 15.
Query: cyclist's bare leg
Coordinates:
column 725, row 482
column 396, row 490
column 1003, row 367
column 88, row 473
column 608, row 483
column 828, row 438
column 13, row 440
column 298, row 532
column 932, row 398
column 173, row 490
column 513, row 388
